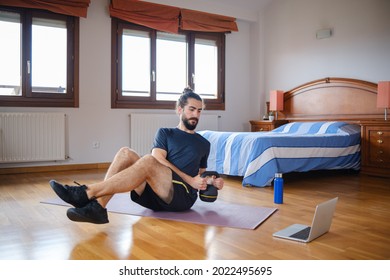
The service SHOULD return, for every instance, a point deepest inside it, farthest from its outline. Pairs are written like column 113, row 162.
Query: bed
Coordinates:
column 323, row 133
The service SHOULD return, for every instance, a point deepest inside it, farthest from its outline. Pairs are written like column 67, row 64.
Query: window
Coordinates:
column 136, row 64
column 151, row 68
column 39, row 62
column 206, row 77
column 171, row 65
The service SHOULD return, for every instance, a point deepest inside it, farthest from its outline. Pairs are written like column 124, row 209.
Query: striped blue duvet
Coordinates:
column 293, row 147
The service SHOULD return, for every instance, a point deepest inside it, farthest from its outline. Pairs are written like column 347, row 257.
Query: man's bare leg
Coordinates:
column 90, row 201
column 134, row 177
column 127, row 172
column 123, row 159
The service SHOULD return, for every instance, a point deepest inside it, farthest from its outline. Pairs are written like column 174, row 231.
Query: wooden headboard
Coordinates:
column 332, row 99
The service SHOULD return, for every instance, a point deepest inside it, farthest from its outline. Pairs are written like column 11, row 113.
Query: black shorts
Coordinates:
column 184, row 196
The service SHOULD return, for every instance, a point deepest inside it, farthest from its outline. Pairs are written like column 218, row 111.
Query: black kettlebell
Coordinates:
column 210, row 194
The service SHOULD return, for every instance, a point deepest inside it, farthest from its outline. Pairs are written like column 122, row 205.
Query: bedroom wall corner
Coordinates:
column 358, row 47
column 240, row 107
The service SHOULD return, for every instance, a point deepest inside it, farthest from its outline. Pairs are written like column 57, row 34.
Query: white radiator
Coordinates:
column 29, row 137
column 143, row 128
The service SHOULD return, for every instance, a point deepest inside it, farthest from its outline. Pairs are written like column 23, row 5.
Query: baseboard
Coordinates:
column 51, row 168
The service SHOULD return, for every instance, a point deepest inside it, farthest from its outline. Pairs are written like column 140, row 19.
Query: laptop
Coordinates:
column 320, row 225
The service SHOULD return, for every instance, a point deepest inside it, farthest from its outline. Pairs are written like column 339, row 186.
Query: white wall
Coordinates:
column 359, row 47
column 279, row 51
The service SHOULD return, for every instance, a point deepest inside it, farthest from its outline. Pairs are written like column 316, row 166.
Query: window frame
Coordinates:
column 118, row 101
column 45, row 99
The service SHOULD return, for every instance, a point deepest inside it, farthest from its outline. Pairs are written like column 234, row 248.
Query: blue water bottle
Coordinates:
column 278, row 188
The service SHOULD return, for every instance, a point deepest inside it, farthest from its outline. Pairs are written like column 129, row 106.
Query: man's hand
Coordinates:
column 218, row 183
column 199, row 183
column 213, row 180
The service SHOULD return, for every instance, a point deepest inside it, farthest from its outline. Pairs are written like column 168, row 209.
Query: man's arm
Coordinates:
column 196, row 182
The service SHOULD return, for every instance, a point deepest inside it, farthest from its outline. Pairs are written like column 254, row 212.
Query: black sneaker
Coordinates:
column 74, row 195
column 93, row 212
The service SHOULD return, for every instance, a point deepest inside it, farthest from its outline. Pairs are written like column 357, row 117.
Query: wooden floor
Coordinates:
column 31, row 230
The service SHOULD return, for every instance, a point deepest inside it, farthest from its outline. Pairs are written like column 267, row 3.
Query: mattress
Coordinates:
column 293, row 147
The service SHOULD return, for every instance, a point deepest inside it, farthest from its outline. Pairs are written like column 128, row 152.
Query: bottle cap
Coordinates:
column 278, row 175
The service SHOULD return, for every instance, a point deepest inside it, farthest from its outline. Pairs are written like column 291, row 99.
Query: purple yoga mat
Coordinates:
column 218, row 213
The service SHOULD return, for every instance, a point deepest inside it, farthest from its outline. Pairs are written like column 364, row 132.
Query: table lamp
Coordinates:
column 383, row 96
column 276, row 101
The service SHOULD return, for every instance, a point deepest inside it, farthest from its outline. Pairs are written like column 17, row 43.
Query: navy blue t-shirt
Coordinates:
column 188, row 152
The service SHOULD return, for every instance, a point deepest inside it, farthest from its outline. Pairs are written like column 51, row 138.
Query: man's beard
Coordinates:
column 187, row 123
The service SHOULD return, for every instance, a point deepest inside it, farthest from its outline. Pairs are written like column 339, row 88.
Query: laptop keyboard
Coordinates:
column 302, row 234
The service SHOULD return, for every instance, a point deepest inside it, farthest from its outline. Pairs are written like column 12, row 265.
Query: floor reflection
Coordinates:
column 148, row 239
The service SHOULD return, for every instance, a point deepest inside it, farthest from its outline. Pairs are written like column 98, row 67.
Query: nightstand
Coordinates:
column 375, row 148
column 266, row 125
